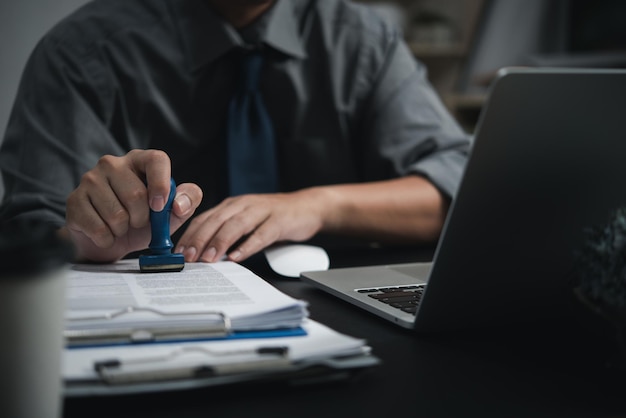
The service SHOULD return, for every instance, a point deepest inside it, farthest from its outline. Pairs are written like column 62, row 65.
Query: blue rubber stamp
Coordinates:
column 161, row 258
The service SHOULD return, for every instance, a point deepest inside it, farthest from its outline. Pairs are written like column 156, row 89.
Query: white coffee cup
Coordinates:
column 32, row 303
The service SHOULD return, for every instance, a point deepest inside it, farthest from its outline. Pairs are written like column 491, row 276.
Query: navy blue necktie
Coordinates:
column 252, row 166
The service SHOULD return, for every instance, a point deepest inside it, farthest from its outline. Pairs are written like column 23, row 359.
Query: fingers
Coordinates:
column 82, row 216
column 155, row 165
column 264, row 236
column 212, row 233
column 252, row 222
column 110, row 207
column 103, row 206
column 188, row 198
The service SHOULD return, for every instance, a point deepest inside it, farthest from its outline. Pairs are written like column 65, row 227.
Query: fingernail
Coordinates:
column 157, row 203
column 184, row 203
column 179, row 249
column 209, row 254
column 235, row 255
column 190, row 254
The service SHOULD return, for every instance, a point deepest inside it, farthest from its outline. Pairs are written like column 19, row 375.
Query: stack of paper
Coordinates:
column 122, row 369
column 116, row 302
column 210, row 324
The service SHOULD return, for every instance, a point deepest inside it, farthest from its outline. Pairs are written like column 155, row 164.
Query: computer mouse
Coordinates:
column 291, row 259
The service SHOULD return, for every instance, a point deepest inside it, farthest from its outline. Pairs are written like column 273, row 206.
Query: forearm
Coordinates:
column 408, row 209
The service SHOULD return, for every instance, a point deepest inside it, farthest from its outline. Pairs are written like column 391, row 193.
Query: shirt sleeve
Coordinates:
column 408, row 125
column 56, row 132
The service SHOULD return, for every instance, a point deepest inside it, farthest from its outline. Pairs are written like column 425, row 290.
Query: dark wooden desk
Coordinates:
column 548, row 370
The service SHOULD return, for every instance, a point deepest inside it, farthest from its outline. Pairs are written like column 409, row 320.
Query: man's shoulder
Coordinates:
column 349, row 16
column 99, row 20
column 348, row 26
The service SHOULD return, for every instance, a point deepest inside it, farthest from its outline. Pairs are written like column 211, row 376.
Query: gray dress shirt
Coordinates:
column 348, row 101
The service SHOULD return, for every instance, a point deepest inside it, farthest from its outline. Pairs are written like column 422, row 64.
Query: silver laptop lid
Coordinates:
column 549, row 160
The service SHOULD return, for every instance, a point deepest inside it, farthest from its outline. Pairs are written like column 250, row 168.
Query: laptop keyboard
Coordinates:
column 405, row 298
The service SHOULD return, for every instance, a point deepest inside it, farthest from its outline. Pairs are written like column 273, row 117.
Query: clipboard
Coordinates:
column 304, row 373
column 321, row 355
column 182, row 330
column 130, row 332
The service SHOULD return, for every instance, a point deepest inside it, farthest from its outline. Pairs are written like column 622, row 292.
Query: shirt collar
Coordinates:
column 206, row 36
column 282, row 32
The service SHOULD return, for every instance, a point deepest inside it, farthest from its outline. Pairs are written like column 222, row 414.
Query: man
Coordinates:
column 123, row 94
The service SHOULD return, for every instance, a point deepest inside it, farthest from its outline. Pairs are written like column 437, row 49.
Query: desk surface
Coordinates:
column 552, row 370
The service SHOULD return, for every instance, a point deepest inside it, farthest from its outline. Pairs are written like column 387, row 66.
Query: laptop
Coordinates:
column 548, row 161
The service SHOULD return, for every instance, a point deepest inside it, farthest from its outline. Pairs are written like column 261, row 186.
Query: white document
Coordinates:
column 118, row 297
column 320, row 342
column 109, row 296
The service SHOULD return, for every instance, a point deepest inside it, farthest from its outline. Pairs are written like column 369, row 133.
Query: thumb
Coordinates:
column 187, row 200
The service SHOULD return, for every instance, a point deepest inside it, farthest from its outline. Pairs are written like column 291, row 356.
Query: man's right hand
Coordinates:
column 108, row 214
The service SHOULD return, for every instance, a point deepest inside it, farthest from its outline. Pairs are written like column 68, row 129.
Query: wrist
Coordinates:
column 329, row 205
